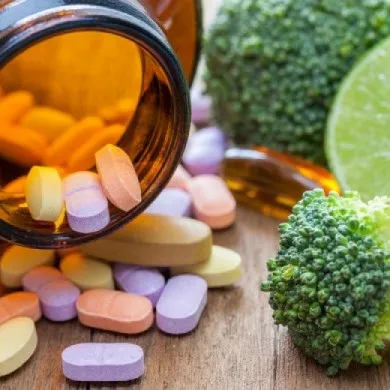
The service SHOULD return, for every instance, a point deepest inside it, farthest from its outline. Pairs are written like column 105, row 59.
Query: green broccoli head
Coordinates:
column 330, row 281
column 274, row 66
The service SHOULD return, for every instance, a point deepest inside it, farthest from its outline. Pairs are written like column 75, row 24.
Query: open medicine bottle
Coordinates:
column 81, row 57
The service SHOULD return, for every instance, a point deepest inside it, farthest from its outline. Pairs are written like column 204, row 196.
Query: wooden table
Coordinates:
column 235, row 347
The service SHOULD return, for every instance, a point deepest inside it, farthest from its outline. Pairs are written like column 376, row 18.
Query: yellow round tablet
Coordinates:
column 44, row 194
column 223, row 268
column 18, row 340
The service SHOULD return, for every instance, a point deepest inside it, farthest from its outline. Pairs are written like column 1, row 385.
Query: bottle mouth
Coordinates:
column 125, row 59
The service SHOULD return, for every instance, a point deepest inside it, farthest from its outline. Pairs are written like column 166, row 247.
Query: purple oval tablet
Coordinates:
column 181, row 304
column 201, row 107
column 148, row 282
column 100, row 362
column 171, row 201
column 205, row 151
column 58, row 300
column 86, row 204
column 38, row 277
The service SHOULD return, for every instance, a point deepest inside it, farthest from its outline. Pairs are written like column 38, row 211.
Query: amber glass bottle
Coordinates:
column 83, row 57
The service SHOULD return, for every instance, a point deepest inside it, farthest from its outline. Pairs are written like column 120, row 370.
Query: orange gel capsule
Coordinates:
column 212, row 201
column 118, row 177
column 21, row 145
column 19, row 304
column 83, row 158
column 16, row 185
column 58, row 152
column 119, row 112
column 116, row 311
column 47, row 121
column 14, row 105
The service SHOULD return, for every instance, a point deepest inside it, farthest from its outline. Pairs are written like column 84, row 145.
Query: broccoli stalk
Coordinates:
column 330, row 281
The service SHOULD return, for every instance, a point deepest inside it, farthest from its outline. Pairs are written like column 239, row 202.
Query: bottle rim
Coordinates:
column 139, row 28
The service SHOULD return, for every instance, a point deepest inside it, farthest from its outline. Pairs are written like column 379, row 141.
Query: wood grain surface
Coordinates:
column 235, row 347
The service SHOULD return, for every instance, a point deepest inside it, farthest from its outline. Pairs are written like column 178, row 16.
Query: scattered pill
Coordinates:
column 87, row 273
column 180, row 178
column 22, row 146
column 173, row 202
column 201, row 107
column 116, row 311
column 181, row 304
column 18, row 340
column 58, row 300
column 16, row 185
column 86, row 204
column 44, row 194
column 17, row 261
column 47, row 121
column 67, row 251
column 14, row 105
column 155, row 240
column 19, row 304
column 193, row 129
column 103, row 362
column 212, row 201
column 83, row 158
column 148, row 282
column 223, row 268
column 58, row 152
column 205, row 152
column 118, row 176
column 38, row 277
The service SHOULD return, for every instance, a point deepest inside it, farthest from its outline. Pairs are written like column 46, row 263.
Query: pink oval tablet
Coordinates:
column 103, row 362
column 181, row 304
column 38, row 277
column 148, row 282
column 58, row 300
column 212, row 201
column 173, row 202
column 86, row 204
column 180, row 179
column 118, row 177
column 115, row 310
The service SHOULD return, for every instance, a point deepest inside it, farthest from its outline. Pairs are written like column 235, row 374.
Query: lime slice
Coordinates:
column 358, row 131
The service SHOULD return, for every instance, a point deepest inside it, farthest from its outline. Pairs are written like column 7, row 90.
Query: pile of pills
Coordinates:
column 84, row 195
column 119, row 284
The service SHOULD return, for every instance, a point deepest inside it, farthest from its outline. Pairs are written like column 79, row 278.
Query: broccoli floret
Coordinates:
column 274, row 66
column 330, row 281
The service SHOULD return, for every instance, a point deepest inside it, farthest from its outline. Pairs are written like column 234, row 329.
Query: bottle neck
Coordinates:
column 156, row 136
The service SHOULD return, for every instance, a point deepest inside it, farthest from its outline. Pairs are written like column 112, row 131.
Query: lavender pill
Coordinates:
column 58, row 300
column 201, row 107
column 103, row 362
column 171, row 201
column 205, row 151
column 148, row 282
column 181, row 304
column 86, row 205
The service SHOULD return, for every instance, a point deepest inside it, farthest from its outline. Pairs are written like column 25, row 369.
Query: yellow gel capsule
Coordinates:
column 18, row 260
column 58, row 152
column 16, row 185
column 44, row 194
column 21, row 145
column 18, row 340
column 155, row 240
column 47, row 121
column 83, row 158
column 14, row 105
column 223, row 268
column 87, row 273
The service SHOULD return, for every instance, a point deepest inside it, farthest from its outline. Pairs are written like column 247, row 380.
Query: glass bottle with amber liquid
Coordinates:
column 126, row 62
